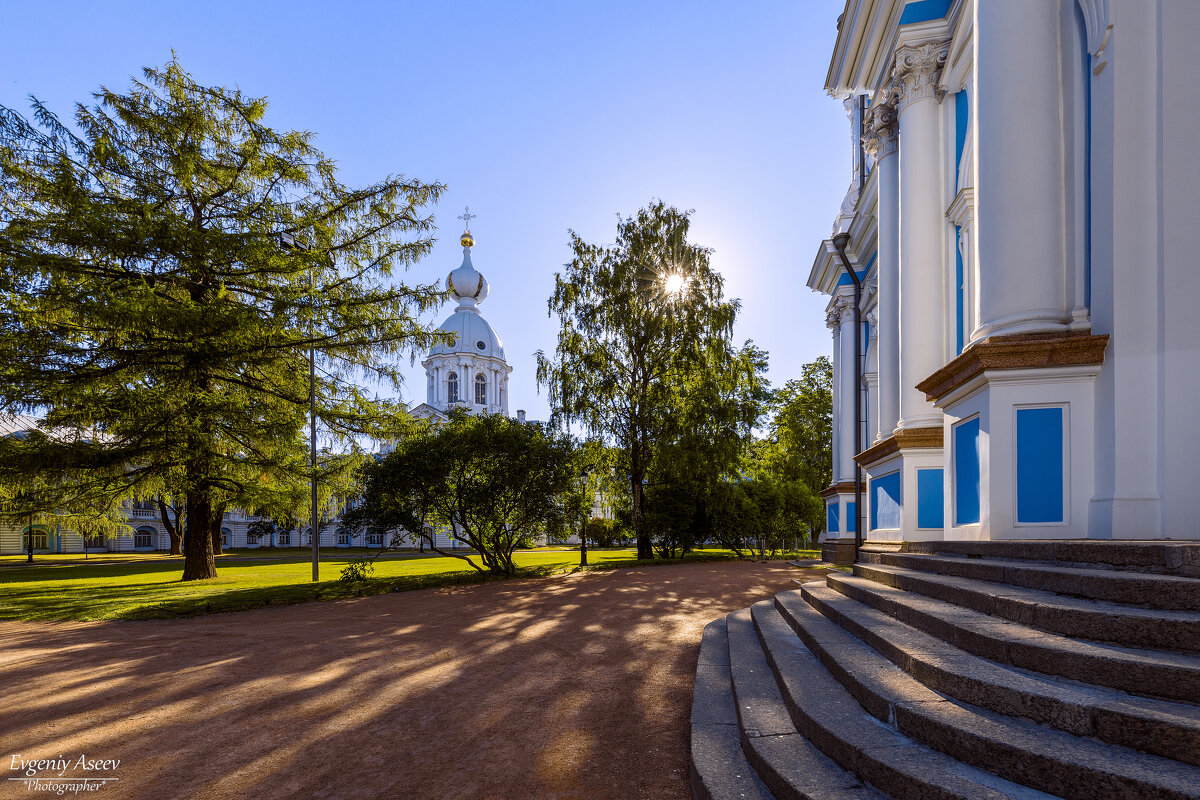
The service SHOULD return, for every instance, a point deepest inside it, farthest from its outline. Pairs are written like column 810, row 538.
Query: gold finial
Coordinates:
column 467, row 240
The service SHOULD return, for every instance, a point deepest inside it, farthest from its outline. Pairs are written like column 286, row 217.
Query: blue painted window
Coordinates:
column 930, row 499
column 886, row 501
column 851, row 518
column 961, row 115
column 966, row 472
column 831, row 517
column 924, row 10
column 1039, row 465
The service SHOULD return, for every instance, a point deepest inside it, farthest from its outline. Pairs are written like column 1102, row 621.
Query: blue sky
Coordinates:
column 542, row 117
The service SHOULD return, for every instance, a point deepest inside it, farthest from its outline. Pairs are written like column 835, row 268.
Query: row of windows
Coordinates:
column 480, row 389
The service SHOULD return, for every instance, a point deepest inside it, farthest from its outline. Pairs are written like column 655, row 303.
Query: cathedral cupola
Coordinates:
column 466, row 284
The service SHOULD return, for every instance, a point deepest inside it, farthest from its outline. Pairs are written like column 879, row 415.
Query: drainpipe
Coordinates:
column 840, row 241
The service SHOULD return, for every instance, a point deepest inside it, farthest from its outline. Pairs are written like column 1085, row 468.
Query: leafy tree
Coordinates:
column 802, row 424
column 146, row 303
column 494, row 479
column 643, row 324
column 798, row 447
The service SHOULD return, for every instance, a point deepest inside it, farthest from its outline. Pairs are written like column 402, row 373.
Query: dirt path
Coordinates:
column 571, row 687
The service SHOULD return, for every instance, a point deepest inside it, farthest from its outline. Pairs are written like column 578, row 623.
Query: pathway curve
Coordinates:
column 570, row 687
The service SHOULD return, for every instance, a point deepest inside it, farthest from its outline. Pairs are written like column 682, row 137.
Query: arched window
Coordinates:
column 452, row 388
column 143, row 538
column 225, row 534
column 41, row 538
column 480, row 390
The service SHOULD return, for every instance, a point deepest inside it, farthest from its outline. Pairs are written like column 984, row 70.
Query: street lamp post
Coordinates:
column 289, row 242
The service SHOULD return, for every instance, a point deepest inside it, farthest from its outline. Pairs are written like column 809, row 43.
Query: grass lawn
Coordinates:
column 143, row 587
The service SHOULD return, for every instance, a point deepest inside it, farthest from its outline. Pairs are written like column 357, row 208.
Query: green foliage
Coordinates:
column 357, row 570
column 798, row 447
column 495, row 480
column 146, row 304
column 644, row 356
column 606, row 533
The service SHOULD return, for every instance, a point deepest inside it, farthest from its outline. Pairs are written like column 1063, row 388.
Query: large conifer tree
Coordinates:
column 148, row 309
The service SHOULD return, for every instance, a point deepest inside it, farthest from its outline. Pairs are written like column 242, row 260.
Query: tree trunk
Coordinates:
column 172, row 528
column 645, row 550
column 198, row 562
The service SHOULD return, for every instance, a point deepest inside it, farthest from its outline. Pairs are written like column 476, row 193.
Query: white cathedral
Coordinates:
column 470, row 372
column 1022, row 220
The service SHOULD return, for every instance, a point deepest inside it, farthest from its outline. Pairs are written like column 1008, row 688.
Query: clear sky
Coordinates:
column 542, row 116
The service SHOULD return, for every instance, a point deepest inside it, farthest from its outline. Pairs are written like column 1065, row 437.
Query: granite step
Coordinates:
column 1169, row 558
column 1071, row 616
column 1050, row 760
column 1135, row 588
column 718, row 766
column 785, row 761
column 1173, row 676
column 826, row 714
column 1153, row 726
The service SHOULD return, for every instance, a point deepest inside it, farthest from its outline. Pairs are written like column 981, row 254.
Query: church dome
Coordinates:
column 472, row 335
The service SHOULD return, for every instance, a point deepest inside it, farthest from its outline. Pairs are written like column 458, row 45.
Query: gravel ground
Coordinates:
column 570, row 687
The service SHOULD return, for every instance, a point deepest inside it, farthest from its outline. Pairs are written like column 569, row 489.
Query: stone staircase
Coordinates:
column 971, row 670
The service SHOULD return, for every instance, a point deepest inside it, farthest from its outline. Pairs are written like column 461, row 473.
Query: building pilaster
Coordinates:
column 881, row 141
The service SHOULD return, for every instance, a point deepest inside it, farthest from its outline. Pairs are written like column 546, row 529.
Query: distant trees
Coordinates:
column 495, row 480
column 147, row 306
column 645, row 360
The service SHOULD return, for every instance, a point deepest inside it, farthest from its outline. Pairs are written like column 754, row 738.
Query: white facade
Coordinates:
column 1024, row 223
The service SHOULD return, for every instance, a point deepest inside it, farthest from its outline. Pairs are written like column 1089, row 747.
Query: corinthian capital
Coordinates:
column 879, row 135
column 917, row 71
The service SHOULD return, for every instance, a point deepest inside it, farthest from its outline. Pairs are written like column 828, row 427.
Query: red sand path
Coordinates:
column 570, row 687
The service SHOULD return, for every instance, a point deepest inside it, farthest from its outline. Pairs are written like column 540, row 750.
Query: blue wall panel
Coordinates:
column 1039, row 465
column 851, row 519
column 966, row 472
column 831, row 517
column 886, row 501
column 931, row 498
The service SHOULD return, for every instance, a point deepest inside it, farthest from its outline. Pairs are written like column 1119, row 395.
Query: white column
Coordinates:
column 922, row 225
column 871, row 374
column 881, row 142
column 1019, row 168
column 846, row 389
column 832, row 321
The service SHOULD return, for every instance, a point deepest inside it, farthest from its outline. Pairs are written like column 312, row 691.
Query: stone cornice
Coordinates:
column 845, row 487
column 902, row 439
column 1020, row 351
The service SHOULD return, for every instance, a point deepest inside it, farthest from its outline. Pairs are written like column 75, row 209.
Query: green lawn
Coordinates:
column 142, row 587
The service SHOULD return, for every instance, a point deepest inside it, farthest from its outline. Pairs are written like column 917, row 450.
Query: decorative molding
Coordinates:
column 962, row 209
column 1096, row 18
column 902, row 439
column 1019, row 351
column 917, row 71
column 881, row 138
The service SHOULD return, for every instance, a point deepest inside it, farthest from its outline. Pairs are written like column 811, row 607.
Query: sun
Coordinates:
column 674, row 283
